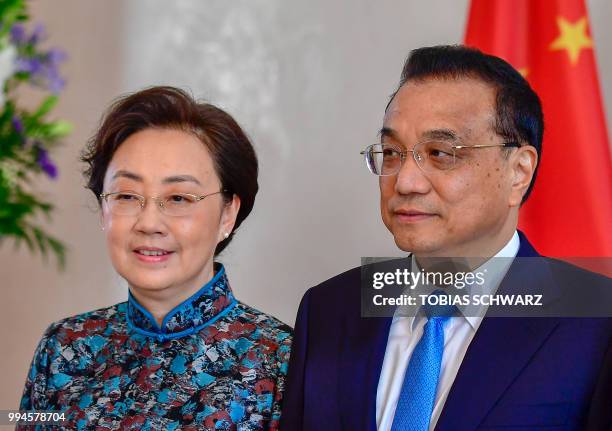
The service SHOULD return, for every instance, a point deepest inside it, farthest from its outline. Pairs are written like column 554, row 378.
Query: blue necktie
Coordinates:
column 416, row 400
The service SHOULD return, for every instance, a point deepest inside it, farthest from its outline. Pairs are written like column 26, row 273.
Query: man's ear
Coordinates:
column 228, row 217
column 523, row 164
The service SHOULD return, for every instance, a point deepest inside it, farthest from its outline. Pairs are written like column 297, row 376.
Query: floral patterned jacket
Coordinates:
column 214, row 364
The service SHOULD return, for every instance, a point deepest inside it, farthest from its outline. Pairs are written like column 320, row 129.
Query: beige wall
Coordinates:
column 307, row 80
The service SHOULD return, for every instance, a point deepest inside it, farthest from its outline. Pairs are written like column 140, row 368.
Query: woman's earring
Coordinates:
column 226, row 235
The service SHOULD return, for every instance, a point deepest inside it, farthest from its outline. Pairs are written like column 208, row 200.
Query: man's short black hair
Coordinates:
column 518, row 108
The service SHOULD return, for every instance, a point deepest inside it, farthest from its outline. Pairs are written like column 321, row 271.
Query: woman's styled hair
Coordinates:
column 166, row 107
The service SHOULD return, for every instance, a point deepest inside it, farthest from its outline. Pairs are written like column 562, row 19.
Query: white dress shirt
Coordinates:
column 405, row 333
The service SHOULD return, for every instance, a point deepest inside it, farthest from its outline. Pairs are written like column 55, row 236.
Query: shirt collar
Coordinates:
column 495, row 269
column 204, row 307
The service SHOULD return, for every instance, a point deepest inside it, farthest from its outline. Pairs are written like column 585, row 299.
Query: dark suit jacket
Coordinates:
column 536, row 373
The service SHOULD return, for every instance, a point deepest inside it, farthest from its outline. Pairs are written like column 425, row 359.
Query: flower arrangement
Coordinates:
column 27, row 135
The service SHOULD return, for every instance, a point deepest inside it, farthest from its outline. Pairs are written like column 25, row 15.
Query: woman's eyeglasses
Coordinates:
column 173, row 204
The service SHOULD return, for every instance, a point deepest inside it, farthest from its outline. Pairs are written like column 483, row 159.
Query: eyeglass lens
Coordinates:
column 176, row 204
column 430, row 156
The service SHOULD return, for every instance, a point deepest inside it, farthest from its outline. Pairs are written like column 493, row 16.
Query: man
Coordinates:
column 458, row 155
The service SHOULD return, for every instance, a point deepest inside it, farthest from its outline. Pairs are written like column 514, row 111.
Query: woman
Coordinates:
column 174, row 180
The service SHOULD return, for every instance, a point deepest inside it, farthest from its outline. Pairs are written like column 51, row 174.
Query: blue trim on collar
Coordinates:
column 151, row 320
column 208, row 286
column 164, row 336
column 211, row 302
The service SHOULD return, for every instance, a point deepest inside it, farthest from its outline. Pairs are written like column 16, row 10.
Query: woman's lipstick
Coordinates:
column 152, row 254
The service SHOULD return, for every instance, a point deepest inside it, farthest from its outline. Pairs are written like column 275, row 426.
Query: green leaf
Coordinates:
column 58, row 129
column 27, row 240
column 11, row 11
column 60, row 251
column 39, row 236
column 38, row 240
column 48, row 131
column 45, row 107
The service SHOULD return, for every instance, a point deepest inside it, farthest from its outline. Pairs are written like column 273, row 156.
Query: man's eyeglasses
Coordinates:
column 173, row 204
column 430, row 156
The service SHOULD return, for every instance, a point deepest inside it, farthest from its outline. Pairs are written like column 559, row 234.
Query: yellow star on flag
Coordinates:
column 573, row 37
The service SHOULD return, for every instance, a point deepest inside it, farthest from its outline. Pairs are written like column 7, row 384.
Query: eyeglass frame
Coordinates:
column 158, row 199
column 404, row 153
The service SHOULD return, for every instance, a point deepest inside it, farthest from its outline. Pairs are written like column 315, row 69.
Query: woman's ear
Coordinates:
column 523, row 165
column 102, row 220
column 228, row 217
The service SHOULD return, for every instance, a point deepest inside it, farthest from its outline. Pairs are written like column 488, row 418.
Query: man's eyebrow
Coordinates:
column 440, row 135
column 168, row 180
column 434, row 134
column 387, row 132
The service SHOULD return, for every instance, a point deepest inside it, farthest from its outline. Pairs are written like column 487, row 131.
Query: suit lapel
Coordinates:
column 500, row 350
column 361, row 357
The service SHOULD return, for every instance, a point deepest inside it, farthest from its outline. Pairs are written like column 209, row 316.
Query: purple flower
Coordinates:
column 55, row 56
column 38, row 34
column 42, row 67
column 18, row 34
column 30, row 65
column 53, row 59
column 17, row 124
column 45, row 163
column 56, row 83
column 44, row 70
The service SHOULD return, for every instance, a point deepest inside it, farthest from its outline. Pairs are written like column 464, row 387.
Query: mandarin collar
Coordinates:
column 210, row 303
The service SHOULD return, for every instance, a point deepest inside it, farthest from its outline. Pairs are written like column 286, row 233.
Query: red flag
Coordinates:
column 569, row 212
